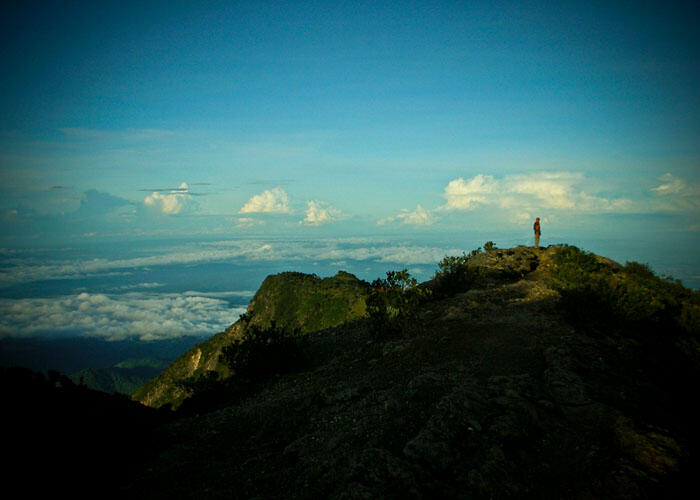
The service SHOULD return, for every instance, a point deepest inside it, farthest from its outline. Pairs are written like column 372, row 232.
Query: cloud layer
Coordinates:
column 146, row 316
column 28, row 270
column 417, row 217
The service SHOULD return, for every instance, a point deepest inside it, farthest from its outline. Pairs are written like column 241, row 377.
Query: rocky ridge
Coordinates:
column 494, row 393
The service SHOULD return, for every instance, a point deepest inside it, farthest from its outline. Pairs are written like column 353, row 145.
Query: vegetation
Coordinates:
column 497, row 396
column 395, row 301
column 123, row 378
column 456, row 275
column 630, row 296
column 307, row 302
column 260, row 353
column 289, row 302
column 250, row 359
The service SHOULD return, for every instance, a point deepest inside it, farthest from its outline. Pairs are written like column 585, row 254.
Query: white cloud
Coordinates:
column 523, row 218
column 136, row 286
column 531, row 193
column 418, row 217
column 146, row 316
column 548, row 190
column 33, row 269
column 40, row 269
column 319, row 212
column 464, row 195
column 170, row 203
column 273, row 201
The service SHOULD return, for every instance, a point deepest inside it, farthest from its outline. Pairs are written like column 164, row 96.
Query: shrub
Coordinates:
column 690, row 317
column 259, row 353
column 488, row 246
column 639, row 271
column 570, row 261
column 632, row 297
column 204, row 383
column 455, row 275
column 395, row 301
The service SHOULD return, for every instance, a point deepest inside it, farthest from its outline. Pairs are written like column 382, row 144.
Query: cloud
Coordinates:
column 272, row 201
column 136, row 286
column 523, row 218
column 674, row 194
column 146, row 316
column 465, row 195
column 319, row 212
column 245, row 222
column 548, row 190
column 96, row 202
column 32, row 269
column 171, row 203
column 671, row 185
column 45, row 269
column 418, row 217
column 531, row 193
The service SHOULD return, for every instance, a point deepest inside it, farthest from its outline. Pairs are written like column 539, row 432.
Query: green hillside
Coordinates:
column 292, row 301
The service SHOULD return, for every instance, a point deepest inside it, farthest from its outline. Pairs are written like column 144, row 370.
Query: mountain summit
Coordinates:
column 513, row 373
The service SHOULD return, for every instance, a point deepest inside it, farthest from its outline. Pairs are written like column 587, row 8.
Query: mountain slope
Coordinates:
column 63, row 439
column 290, row 300
column 123, row 378
column 502, row 389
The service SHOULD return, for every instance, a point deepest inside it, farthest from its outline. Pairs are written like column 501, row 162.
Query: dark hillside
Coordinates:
column 63, row 439
column 123, row 378
column 547, row 373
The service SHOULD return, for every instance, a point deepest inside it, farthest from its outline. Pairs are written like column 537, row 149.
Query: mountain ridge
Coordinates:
column 514, row 372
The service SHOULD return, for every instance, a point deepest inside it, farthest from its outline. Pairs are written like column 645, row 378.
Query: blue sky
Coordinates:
column 410, row 120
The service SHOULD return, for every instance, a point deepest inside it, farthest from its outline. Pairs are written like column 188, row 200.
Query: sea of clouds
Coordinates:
column 141, row 315
column 154, row 309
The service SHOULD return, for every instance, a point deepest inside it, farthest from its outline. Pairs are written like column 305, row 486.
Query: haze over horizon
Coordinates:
column 144, row 147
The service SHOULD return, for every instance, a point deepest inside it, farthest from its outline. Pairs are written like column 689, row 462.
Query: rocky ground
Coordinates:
column 489, row 394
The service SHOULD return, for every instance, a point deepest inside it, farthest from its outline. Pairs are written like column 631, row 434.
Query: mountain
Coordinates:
column 290, row 300
column 547, row 373
column 123, row 378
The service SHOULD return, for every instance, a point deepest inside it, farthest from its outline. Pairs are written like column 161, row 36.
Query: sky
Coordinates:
column 430, row 127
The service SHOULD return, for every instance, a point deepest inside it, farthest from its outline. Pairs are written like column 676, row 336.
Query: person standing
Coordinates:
column 536, row 227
